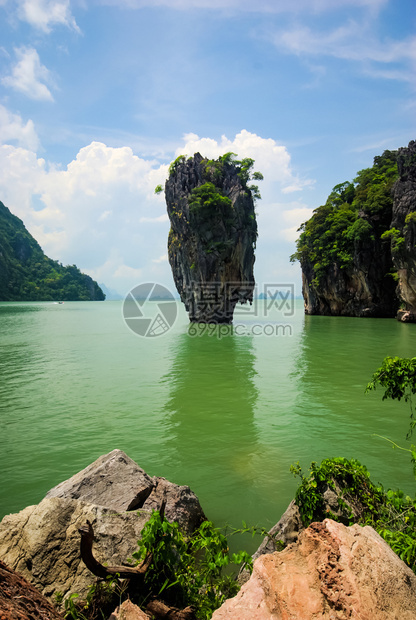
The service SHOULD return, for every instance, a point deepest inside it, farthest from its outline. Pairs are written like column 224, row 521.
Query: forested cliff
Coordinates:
column 357, row 252
column 26, row 274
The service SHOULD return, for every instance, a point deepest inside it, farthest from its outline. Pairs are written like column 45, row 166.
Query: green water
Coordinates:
column 227, row 416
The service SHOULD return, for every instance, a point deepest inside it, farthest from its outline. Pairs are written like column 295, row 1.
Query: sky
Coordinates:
column 97, row 97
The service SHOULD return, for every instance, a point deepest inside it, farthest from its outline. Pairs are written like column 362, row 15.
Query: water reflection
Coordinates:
column 210, row 418
column 335, row 362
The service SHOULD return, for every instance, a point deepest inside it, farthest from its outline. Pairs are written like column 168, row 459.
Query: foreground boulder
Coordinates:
column 42, row 542
column 19, row 600
column 333, row 572
column 116, row 482
column 182, row 505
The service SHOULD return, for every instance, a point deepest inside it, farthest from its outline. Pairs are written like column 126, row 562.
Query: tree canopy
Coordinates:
column 26, row 274
column 355, row 212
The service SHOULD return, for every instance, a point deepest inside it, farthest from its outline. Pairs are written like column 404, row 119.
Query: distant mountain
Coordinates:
column 26, row 274
column 110, row 293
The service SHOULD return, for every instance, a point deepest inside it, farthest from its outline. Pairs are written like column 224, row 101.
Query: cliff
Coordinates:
column 26, row 274
column 361, row 243
column 213, row 234
column 403, row 227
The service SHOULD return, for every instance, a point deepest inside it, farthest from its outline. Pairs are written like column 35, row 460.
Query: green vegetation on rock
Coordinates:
column 185, row 570
column 26, row 274
column 354, row 214
column 391, row 513
column 188, row 570
column 216, row 170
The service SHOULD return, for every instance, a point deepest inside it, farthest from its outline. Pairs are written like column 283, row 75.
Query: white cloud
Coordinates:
column 101, row 213
column 353, row 41
column 160, row 218
column 29, row 76
column 272, row 159
column 21, row 173
column 349, row 41
column 161, row 259
column 294, row 217
column 12, row 129
column 261, row 6
column 43, row 14
column 124, row 272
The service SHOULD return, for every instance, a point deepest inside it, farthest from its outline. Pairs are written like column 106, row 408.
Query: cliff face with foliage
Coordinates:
column 403, row 231
column 213, row 234
column 346, row 251
column 26, row 274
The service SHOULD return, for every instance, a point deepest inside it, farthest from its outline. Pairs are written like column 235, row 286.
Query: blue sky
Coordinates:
column 98, row 96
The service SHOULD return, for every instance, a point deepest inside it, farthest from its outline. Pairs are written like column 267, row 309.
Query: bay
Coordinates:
column 224, row 412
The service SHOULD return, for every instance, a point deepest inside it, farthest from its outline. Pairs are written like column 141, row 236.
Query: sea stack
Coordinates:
column 213, row 234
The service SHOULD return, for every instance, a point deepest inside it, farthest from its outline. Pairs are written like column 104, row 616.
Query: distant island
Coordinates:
column 357, row 252
column 26, row 274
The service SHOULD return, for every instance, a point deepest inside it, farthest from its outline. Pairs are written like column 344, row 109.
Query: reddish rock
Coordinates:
column 128, row 611
column 333, row 572
column 19, row 600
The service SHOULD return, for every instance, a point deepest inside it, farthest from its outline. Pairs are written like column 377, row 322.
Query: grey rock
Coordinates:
column 114, row 480
column 182, row 505
column 286, row 530
column 42, row 542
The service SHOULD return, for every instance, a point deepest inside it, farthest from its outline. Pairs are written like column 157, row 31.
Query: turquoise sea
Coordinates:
column 225, row 413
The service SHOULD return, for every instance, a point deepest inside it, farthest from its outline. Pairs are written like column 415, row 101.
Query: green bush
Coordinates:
column 390, row 513
column 188, row 570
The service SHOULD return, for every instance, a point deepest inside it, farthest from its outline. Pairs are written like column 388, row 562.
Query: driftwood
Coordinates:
column 161, row 611
column 124, row 572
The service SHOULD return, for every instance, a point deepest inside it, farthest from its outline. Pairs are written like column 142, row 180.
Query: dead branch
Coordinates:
column 124, row 572
column 159, row 610
column 162, row 612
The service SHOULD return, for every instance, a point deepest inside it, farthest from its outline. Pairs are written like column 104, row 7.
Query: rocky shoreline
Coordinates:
column 328, row 570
